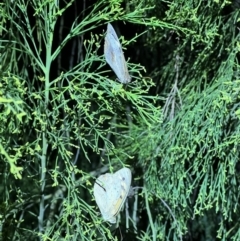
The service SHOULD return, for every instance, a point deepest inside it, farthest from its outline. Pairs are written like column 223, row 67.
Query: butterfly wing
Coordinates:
column 111, row 191
column 114, row 55
column 101, row 190
column 123, row 179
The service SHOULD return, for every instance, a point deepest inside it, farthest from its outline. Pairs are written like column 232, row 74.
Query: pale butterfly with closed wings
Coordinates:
column 110, row 192
column 114, row 55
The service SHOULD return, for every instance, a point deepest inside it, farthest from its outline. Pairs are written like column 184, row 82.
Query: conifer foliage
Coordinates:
column 65, row 119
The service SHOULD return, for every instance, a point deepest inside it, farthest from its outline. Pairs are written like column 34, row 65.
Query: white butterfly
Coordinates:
column 114, row 55
column 110, row 192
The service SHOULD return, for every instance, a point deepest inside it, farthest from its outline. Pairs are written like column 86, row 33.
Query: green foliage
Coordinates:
column 64, row 122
